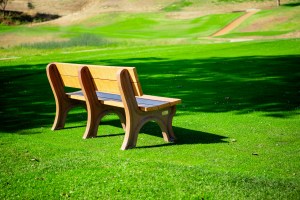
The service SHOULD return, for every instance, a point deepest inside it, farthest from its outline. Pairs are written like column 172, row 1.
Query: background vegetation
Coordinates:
column 237, row 127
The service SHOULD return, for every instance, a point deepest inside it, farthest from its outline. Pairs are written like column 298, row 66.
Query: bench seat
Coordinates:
column 105, row 89
column 146, row 103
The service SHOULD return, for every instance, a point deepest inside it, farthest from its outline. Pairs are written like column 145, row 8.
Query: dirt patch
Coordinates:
column 77, row 10
column 265, row 23
column 295, row 34
column 94, row 7
column 186, row 14
column 235, row 23
column 58, row 7
column 214, row 7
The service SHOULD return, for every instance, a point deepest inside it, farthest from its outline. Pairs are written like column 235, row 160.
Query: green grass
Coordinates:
column 282, row 20
column 239, row 1
column 140, row 26
column 177, row 6
column 153, row 26
column 81, row 40
column 237, row 128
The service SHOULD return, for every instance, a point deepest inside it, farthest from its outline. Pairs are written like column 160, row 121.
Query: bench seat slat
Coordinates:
column 145, row 102
column 172, row 101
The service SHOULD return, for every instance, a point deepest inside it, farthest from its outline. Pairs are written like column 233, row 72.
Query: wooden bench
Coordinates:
column 106, row 89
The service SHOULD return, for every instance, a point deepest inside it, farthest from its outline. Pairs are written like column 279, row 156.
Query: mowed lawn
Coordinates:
column 237, row 127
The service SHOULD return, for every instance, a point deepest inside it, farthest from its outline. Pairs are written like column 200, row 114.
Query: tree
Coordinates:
column 278, row 2
column 30, row 5
column 3, row 4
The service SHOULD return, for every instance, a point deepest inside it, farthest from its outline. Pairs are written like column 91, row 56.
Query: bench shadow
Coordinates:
column 109, row 135
column 189, row 136
column 184, row 136
column 73, row 127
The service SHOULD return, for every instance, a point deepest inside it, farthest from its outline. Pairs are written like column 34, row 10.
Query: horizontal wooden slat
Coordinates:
column 149, row 104
column 108, row 86
column 76, row 96
column 103, row 74
column 71, row 81
column 98, row 71
column 68, row 69
column 111, row 86
column 145, row 104
column 110, row 72
column 112, row 103
column 172, row 101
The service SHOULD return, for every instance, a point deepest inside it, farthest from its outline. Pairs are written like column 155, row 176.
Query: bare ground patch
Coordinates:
column 75, row 11
column 295, row 34
column 265, row 23
column 235, row 23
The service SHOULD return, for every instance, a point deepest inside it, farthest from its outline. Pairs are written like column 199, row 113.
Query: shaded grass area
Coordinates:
column 206, row 83
column 243, row 84
column 237, row 129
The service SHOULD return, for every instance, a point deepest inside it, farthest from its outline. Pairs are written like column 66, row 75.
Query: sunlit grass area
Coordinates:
column 141, row 26
column 154, row 28
column 270, row 22
column 237, row 128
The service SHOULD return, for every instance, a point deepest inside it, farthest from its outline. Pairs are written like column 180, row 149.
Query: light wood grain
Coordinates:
column 106, row 89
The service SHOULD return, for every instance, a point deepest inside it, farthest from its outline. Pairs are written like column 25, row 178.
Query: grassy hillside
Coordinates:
column 160, row 26
column 64, row 7
column 277, row 21
column 237, row 127
column 126, row 26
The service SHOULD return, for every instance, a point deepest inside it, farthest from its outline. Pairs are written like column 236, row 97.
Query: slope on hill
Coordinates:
column 60, row 7
column 65, row 7
column 150, row 19
column 192, row 8
column 284, row 22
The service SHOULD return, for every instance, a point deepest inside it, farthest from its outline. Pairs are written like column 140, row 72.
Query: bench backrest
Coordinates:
column 104, row 77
